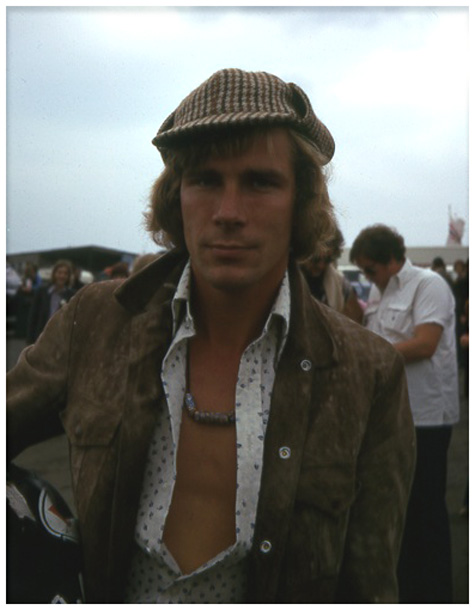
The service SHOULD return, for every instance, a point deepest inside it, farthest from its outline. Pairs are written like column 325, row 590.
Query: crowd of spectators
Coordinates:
column 35, row 294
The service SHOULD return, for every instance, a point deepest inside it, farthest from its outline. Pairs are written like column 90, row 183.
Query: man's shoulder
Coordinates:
column 99, row 290
column 426, row 281
column 350, row 336
column 96, row 297
column 424, row 275
column 149, row 288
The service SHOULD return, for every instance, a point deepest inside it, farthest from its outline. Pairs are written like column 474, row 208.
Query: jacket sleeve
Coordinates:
column 37, row 385
column 384, row 476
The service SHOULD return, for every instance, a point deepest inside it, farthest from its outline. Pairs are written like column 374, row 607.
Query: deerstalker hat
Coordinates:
column 233, row 97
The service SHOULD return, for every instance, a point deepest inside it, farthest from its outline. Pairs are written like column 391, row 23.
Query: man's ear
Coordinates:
column 395, row 266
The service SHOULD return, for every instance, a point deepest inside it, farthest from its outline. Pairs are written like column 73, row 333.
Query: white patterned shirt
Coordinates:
column 154, row 576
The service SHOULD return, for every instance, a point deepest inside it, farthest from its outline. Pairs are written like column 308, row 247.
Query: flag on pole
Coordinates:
column 456, row 229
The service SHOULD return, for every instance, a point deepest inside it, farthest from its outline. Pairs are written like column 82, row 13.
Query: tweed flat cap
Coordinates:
column 233, row 97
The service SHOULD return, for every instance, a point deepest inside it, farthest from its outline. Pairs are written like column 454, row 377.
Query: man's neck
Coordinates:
column 230, row 319
column 395, row 267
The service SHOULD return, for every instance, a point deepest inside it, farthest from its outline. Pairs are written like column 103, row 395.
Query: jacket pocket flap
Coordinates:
column 330, row 488
column 90, row 426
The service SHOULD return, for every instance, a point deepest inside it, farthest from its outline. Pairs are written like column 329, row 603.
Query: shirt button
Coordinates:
column 265, row 546
column 284, row 453
column 305, row 365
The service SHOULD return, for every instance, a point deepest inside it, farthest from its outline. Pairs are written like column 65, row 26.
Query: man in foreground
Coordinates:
column 232, row 440
column 414, row 309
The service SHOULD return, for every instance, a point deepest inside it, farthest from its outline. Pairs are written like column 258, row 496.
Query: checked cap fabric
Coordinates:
column 233, row 97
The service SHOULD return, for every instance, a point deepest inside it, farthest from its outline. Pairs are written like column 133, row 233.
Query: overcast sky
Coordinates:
column 87, row 89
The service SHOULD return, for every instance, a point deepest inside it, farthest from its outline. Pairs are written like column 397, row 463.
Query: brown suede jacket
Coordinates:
column 330, row 516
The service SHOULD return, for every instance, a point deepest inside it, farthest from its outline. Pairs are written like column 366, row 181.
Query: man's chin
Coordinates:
column 230, row 283
column 230, row 278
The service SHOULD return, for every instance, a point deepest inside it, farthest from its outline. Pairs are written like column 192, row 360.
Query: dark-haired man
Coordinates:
column 414, row 309
column 229, row 435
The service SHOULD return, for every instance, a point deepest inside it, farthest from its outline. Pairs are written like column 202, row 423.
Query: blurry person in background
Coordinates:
column 143, row 260
column 118, row 271
column 461, row 292
column 31, row 278
column 460, row 269
column 327, row 284
column 76, row 283
column 464, row 346
column 414, row 309
column 13, row 282
column 49, row 298
column 439, row 266
column 30, row 282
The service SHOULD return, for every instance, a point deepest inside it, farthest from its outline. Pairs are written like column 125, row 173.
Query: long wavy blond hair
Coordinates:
column 314, row 221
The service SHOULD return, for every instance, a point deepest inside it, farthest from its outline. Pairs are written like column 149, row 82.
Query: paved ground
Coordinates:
column 50, row 460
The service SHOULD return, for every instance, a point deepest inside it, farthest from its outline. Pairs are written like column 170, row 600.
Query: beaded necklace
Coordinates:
column 204, row 417
column 207, row 417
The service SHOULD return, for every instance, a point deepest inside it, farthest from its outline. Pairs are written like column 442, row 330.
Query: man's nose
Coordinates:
column 230, row 206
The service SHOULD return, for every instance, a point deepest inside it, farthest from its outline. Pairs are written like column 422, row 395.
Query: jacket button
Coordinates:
column 284, row 453
column 305, row 365
column 265, row 546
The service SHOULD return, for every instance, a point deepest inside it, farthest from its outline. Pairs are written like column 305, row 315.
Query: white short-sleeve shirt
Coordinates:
column 416, row 296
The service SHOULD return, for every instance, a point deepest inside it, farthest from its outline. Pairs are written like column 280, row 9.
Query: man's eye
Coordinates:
column 202, row 179
column 262, row 181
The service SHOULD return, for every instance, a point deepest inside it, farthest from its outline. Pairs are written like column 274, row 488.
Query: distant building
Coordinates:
column 91, row 258
column 422, row 255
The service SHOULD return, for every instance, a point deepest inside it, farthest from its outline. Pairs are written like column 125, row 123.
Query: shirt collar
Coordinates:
column 279, row 314
column 404, row 273
column 181, row 300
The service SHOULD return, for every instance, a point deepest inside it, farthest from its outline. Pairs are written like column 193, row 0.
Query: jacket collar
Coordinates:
column 155, row 284
column 309, row 331
column 309, row 323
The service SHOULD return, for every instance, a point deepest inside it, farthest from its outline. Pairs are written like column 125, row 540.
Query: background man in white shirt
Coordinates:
column 414, row 309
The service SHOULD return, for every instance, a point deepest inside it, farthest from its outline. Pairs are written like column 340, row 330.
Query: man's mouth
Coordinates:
column 229, row 249
column 228, row 246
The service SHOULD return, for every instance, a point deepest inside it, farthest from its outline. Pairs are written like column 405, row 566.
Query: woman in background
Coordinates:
column 48, row 299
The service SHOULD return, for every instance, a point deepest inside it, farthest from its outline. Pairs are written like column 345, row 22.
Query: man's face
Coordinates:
column 377, row 273
column 61, row 277
column 315, row 267
column 237, row 215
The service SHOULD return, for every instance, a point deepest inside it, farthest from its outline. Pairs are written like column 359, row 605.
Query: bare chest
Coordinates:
column 207, row 452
